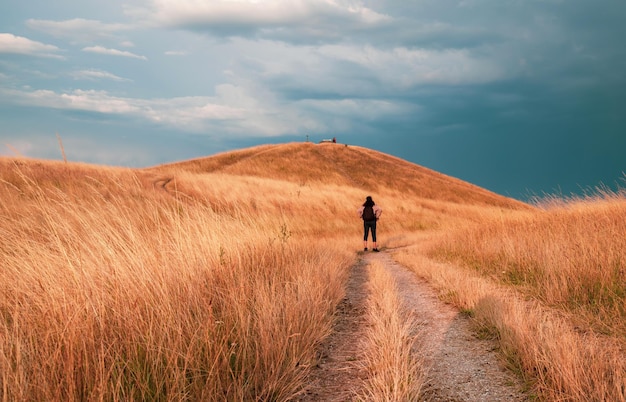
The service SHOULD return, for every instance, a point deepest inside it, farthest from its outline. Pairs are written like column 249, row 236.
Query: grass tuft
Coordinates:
column 395, row 373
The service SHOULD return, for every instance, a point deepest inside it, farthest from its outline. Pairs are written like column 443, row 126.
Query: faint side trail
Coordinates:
column 459, row 367
column 338, row 377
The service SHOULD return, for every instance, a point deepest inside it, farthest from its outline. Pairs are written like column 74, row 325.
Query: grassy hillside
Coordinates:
column 115, row 289
column 337, row 178
column 343, row 165
column 216, row 278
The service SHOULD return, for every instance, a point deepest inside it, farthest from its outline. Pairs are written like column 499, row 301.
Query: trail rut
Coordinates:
column 458, row 366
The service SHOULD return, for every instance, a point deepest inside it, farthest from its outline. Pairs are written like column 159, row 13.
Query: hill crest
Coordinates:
column 343, row 165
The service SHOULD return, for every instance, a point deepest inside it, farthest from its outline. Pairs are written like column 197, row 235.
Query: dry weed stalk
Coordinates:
column 62, row 148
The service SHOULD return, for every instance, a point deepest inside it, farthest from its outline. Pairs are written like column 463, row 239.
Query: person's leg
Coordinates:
column 365, row 234
column 374, row 236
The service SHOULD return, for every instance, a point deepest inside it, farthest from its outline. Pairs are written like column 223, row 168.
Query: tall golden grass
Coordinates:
column 550, row 285
column 112, row 291
column 571, row 257
column 395, row 373
column 197, row 281
column 215, row 279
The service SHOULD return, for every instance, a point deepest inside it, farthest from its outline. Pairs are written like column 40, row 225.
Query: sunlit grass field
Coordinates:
column 216, row 279
column 570, row 256
column 550, row 285
column 117, row 291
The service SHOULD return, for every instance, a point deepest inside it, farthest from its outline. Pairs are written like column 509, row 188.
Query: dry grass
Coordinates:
column 206, row 280
column 571, row 257
column 118, row 292
column 345, row 166
column 557, row 360
column 568, row 339
column 395, row 374
column 215, row 279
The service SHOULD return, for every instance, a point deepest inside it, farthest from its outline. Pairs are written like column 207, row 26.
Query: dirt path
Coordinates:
column 459, row 366
column 339, row 376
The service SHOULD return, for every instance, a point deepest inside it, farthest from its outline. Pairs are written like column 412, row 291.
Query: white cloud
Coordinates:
column 365, row 109
column 404, row 68
column 368, row 72
column 10, row 43
column 279, row 19
column 96, row 75
column 113, row 52
column 240, row 110
column 78, row 29
column 189, row 113
column 263, row 12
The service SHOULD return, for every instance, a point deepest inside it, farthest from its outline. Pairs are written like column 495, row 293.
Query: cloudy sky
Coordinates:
column 521, row 97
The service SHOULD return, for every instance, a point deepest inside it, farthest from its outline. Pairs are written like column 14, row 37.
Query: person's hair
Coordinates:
column 369, row 202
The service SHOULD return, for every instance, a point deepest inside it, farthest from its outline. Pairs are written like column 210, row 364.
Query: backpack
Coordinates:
column 368, row 214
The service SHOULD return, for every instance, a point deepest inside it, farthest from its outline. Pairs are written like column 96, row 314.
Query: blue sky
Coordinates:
column 521, row 97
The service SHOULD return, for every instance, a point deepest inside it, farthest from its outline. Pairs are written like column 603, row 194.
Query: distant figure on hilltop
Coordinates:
column 370, row 213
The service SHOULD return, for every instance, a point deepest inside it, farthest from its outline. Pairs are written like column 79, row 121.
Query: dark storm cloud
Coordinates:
column 518, row 96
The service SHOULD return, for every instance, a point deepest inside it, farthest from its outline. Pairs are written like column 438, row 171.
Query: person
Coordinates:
column 370, row 213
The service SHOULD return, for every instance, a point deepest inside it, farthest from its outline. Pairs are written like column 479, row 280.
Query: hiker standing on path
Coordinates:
column 369, row 212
